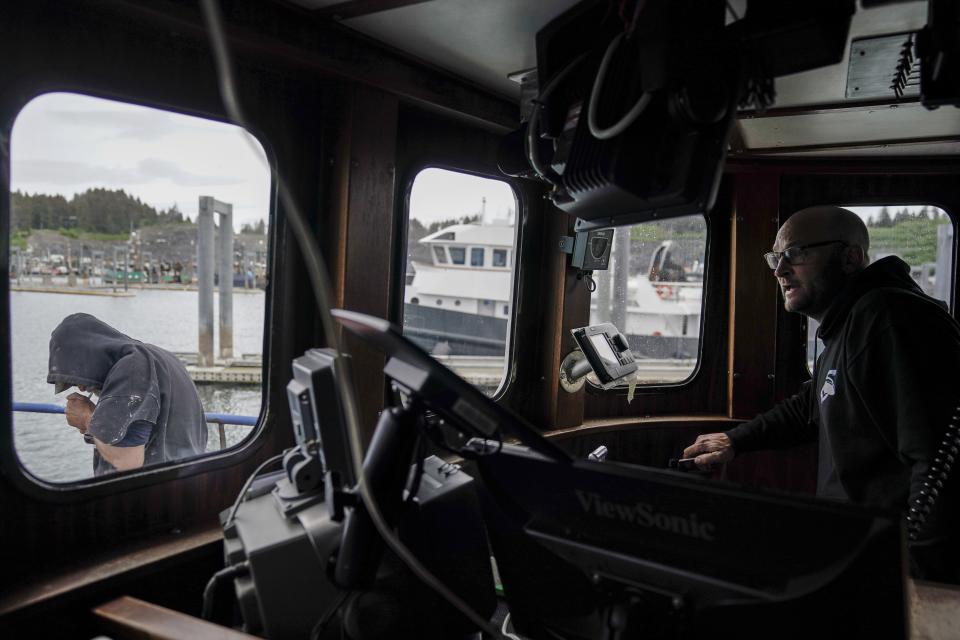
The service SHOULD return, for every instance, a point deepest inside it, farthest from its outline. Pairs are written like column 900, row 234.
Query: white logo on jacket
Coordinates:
column 829, row 387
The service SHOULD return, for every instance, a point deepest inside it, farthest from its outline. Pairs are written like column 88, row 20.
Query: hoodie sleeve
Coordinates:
column 130, row 394
column 786, row 425
column 907, row 376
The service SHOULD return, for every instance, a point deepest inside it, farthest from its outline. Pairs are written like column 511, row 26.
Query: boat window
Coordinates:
column 440, row 253
column 653, row 293
column 470, row 334
column 920, row 235
column 120, row 356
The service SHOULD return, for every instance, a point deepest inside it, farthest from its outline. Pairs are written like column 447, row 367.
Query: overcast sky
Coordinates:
column 438, row 194
column 67, row 143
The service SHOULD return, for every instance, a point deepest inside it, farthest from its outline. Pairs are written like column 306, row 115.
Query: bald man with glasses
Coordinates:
column 883, row 403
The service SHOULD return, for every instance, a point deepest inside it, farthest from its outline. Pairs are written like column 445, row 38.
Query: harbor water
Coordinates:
column 54, row 451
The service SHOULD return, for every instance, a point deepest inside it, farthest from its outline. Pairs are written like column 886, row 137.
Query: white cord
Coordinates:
column 503, row 629
column 320, row 281
column 625, row 121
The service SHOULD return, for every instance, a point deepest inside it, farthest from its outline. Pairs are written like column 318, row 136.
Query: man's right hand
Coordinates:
column 710, row 449
column 79, row 411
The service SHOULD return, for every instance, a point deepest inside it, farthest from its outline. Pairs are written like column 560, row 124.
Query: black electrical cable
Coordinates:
column 246, row 486
column 209, row 592
column 936, row 478
column 322, row 623
column 420, row 454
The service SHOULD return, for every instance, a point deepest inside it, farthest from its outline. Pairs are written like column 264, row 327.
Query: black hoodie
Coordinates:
column 881, row 405
column 139, row 383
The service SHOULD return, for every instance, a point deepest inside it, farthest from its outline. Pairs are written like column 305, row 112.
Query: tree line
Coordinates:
column 885, row 219
column 95, row 210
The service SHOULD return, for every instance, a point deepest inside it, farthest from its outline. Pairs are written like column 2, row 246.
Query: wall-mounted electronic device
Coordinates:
column 589, row 250
column 606, row 353
column 635, row 106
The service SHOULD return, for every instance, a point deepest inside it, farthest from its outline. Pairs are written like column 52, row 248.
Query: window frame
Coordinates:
column 103, row 486
column 453, row 260
column 413, row 170
column 951, row 288
column 622, row 389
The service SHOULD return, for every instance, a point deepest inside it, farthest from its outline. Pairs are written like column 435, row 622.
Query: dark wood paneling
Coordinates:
column 566, row 307
column 371, row 234
column 754, row 295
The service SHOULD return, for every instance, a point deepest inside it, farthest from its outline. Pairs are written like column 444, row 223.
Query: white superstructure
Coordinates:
column 470, row 272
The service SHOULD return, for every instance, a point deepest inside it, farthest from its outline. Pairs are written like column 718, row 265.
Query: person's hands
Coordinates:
column 710, row 449
column 79, row 411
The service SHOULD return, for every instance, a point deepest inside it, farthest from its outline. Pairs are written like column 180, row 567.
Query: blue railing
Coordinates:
column 219, row 419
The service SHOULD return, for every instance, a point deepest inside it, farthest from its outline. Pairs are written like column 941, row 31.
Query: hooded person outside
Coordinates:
column 884, row 394
column 148, row 410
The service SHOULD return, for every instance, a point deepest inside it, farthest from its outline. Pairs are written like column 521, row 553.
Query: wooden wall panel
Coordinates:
column 753, row 296
column 371, row 234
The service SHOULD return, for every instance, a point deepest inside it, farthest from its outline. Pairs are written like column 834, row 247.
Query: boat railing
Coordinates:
column 219, row 419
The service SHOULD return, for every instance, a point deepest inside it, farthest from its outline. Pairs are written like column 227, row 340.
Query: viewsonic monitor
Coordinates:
column 610, row 550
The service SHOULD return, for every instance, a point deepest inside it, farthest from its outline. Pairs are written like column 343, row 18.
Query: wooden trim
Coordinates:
column 38, row 588
column 843, row 166
column 592, row 427
column 135, row 619
column 848, row 146
column 732, row 309
column 371, row 231
column 832, row 107
column 754, row 301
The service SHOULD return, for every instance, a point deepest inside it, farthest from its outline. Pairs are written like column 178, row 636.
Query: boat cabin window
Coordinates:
column 653, row 293
column 453, row 211
column 125, row 354
column 920, row 235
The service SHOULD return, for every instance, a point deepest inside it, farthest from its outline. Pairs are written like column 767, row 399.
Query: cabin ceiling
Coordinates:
column 820, row 112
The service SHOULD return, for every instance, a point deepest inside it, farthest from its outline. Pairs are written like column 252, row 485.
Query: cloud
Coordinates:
column 157, row 169
column 140, row 124
column 65, row 173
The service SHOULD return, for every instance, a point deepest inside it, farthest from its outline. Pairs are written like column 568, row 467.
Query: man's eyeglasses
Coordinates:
column 796, row 255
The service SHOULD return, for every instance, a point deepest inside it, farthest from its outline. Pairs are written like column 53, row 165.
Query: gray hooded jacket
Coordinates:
column 139, row 382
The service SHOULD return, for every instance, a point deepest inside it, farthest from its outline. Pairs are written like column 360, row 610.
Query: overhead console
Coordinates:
column 635, row 107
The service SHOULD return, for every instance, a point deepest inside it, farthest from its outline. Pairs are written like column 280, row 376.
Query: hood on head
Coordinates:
column 83, row 349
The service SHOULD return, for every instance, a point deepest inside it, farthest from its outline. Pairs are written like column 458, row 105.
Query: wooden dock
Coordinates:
column 245, row 369
column 77, row 291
